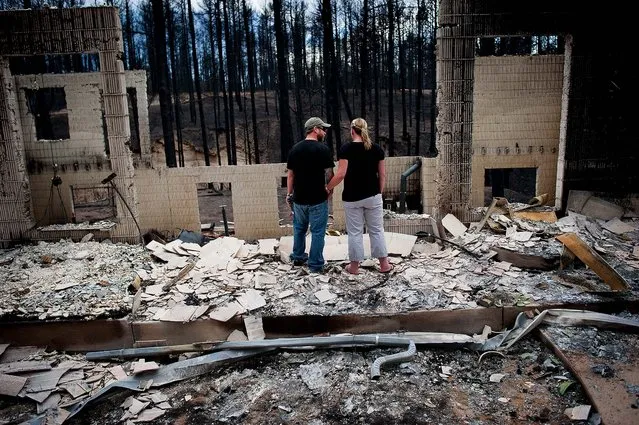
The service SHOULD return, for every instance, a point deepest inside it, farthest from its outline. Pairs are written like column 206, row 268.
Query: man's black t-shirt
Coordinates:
column 309, row 159
column 361, row 180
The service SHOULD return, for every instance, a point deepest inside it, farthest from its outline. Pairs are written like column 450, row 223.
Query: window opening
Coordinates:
column 215, row 202
column 49, row 109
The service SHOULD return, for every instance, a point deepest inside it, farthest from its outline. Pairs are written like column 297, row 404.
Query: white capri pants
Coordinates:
column 367, row 212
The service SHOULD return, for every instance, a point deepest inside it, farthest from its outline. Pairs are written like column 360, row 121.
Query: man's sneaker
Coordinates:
column 320, row 270
column 299, row 263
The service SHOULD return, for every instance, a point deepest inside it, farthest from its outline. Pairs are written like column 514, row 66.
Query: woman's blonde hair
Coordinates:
column 360, row 127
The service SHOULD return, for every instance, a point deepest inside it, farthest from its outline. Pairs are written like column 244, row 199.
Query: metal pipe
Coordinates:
column 226, row 223
column 403, row 183
column 393, row 358
column 109, row 179
column 361, row 340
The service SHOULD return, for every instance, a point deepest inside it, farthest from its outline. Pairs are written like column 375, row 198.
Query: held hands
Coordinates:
column 329, row 191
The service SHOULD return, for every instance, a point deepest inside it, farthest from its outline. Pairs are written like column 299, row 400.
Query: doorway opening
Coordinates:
column 514, row 184
column 215, row 202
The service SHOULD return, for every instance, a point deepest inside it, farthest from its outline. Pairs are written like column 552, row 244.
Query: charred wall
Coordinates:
column 62, row 32
column 595, row 150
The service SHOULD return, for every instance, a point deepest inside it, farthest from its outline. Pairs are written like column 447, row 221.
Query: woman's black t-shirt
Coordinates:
column 361, row 180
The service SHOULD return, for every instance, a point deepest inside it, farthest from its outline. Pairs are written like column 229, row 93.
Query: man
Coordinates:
column 310, row 166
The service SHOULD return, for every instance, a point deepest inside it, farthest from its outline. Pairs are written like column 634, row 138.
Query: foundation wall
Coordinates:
column 168, row 196
column 517, row 104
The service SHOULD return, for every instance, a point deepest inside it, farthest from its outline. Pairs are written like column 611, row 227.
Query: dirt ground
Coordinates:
column 334, row 387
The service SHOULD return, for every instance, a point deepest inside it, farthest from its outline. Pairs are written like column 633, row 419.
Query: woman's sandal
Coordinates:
column 348, row 269
column 390, row 269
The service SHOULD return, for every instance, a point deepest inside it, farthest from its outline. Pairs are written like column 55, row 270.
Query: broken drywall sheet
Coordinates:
column 336, row 247
column 587, row 204
column 618, row 227
column 254, row 328
column 267, row 246
column 217, row 253
column 453, row 225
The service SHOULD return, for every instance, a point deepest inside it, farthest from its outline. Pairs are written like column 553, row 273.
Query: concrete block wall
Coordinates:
column 84, row 110
column 93, row 30
column 54, row 202
column 86, row 143
column 168, row 199
column 137, row 79
column 81, row 159
column 429, row 184
column 15, row 195
column 516, row 118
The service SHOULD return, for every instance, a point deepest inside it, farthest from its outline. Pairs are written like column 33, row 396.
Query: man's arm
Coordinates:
column 290, row 179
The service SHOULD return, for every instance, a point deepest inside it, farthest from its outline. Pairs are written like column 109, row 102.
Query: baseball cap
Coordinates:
column 315, row 122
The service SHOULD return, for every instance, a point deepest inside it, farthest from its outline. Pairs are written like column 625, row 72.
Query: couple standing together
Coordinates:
column 310, row 181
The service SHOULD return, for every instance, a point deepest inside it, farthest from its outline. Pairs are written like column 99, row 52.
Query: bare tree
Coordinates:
column 331, row 77
column 214, row 80
column 163, row 90
column 176, row 95
column 187, row 62
column 250, row 50
column 128, row 31
column 225, row 98
column 391, row 77
column 421, row 14
column 286, row 141
column 198, row 88
column 364, row 60
column 232, row 78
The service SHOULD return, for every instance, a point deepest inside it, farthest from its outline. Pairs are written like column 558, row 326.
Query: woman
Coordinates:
column 361, row 166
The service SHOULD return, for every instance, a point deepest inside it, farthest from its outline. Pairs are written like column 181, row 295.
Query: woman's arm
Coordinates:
column 381, row 175
column 342, row 166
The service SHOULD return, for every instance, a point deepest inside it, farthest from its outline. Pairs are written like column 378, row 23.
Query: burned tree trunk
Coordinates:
column 187, row 63
column 198, row 87
column 331, row 77
column 364, row 61
column 420, row 73
column 250, row 47
column 232, row 78
column 216, row 98
column 159, row 36
column 225, row 99
column 176, row 95
column 286, row 141
column 391, row 74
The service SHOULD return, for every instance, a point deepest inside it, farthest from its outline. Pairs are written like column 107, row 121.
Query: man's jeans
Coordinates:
column 317, row 217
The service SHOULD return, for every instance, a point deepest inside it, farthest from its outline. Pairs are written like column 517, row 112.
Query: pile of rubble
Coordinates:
column 518, row 255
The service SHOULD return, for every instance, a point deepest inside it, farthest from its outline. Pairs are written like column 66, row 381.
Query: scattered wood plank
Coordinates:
column 526, row 261
column 593, row 260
